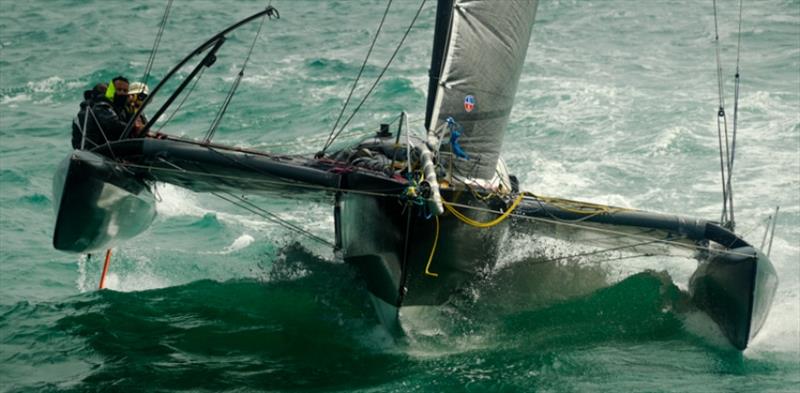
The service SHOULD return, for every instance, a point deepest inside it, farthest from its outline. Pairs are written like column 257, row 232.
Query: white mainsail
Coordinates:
column 479, row 51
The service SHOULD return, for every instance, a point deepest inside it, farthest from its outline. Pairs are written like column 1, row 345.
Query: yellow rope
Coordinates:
column 479, row 224
column 433, row 250
column 577, row 206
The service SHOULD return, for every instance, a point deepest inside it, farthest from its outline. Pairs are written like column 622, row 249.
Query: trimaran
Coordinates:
column 418, row 217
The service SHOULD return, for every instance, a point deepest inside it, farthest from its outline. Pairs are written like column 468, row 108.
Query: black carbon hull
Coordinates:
column 734, row 283
column 405, row 260
column 406, row 256
column 98, row 203
column 735, row 289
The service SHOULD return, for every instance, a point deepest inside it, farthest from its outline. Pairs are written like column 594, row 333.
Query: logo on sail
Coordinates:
column 469, row 103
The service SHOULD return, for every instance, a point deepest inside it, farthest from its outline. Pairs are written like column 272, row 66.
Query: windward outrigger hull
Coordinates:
column 98, row 203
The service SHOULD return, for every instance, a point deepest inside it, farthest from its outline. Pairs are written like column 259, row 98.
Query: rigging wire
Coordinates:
column 378, row 79
column 576, row 225
column 766, row 232
column 358, row 77
column 218, row 118
column 103, row 133
column 243, row 203
column 727, row 156
column 603, row 251
column 255, row 209
column 156, row 43
column 721, row 118
column 212, row 129
column 183, row 100
column 735, row 116
column 772, row 232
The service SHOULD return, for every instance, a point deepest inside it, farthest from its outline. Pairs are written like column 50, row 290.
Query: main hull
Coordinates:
column 408, row 258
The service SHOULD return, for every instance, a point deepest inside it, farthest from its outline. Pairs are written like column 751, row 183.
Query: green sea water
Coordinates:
column 617, row 105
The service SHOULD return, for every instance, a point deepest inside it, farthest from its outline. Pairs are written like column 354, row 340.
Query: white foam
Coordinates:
column 553, row 178
column 313, row 217
column 134, row 281
column 174, row 201
column 781, row 331
column 81, row 281
column 427, row 328
column 700, row 324
column 663, row 144
column 120, row 276
column 13, row 100
column 240, row 243
column 48, row 85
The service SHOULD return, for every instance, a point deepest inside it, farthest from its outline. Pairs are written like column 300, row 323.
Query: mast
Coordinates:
column 479, row 48
column 441, row 31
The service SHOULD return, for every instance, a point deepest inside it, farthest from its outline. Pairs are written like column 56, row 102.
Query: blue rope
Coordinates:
column 455, row 132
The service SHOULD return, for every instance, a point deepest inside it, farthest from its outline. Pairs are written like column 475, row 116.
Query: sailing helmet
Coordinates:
column 138, row 88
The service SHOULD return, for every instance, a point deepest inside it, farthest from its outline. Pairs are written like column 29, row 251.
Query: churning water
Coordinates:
column 616, row 105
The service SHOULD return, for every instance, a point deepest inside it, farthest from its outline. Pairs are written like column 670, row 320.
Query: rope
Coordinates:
column 601, row 230
column 478, row 224
column 587, row 214
column 355, row 82
column 578, row 207
column 378, row 79
column 157, row 41
column 433, row 250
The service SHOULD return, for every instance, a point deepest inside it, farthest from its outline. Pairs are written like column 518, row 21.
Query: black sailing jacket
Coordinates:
column 102, row 122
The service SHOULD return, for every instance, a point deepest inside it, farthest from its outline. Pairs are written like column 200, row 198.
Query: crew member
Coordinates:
column 110, row 114
column 84, row 117
column 137, row 93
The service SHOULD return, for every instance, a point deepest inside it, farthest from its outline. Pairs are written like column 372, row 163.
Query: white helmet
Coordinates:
column 138, row 88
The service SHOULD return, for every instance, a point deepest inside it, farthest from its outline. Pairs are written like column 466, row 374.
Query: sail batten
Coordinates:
column 475, row 75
